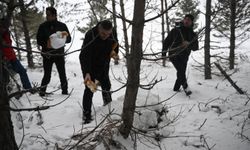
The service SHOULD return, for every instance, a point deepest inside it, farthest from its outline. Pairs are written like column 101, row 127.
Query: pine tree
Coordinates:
column 33, row 18
column 232, row 22
column 222, row 20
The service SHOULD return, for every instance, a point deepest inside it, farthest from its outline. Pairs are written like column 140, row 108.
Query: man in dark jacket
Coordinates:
column 95, row 58
column 179, row 43
column 52, row 55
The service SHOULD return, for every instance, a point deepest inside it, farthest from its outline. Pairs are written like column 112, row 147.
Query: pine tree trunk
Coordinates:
column 167, row 20
column 7, row 138
column 134, row 63
column 16, row 38
column 207, row 64
column 115, row 24
column 162, row 29
column 26, row 35
column 124, row 29
column 232, row 37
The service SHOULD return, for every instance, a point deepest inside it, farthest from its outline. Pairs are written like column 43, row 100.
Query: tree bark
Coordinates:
column 16, row 38
column 115, row 23
column 7, row 138
column 207, row 64
column 232, row 37
column 26, row 35
column 134, row 63
column 162, row 29
column 167, row 20
column 124, row 29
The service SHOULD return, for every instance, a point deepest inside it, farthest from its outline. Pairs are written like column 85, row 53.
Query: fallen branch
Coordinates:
column 90, row 132
column 229, row 79
column 202, row 124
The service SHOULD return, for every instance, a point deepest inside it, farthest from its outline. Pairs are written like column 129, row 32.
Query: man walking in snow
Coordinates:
column 99, row 45
column 48, row 32
column 179, row 43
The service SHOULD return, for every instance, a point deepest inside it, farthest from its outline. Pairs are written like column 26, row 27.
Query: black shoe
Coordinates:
column 106, row 102
column 87, row 120
column 106, row 98
column 65, row 93
column 32, row 92
column 87, row 117
column 187, row 91
column 176, row 90
column 41, row 94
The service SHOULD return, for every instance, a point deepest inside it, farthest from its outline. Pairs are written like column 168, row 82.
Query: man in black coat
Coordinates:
column 94, row 59
column 179, row 43
column 52, row 55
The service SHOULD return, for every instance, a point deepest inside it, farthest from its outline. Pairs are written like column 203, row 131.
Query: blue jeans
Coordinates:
column 18, row 68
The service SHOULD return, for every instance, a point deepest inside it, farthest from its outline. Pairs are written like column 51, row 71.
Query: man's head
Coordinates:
column 188, row 20
column 51, row 13
column 105, row 29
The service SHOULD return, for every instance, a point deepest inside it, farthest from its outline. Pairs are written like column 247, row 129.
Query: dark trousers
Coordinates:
column 18, row 68
column 88, row 95
column 47, row 67
column 180, row 64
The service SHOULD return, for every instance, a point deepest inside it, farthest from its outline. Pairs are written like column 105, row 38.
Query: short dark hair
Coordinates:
column 52, row 10
column 106, row 24
column 190, row 16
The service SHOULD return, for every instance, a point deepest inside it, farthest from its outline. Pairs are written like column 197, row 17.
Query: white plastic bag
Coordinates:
column 57, row 40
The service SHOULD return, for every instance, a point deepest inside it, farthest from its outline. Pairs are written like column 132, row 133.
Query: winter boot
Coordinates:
column 106, row 98
column 65, row 92
column 87, row 117
column 187, row 91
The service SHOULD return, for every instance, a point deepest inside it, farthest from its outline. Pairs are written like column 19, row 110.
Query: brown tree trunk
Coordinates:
column 115, row 24
column 162, row 29
column 26, row 35
column 134, row 63
column 167, row 20
column 16, row 38
column 124, row 28
column 7, row 138
column 232, row 37
column 207, row 64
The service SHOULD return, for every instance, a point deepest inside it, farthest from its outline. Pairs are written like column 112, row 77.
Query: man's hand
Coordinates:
column 90, row 84
column 185, row 44
column 87, row 78
column 114, row 55
column 164, row 62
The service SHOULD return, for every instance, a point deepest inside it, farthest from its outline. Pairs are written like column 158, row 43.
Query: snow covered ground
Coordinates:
column 213, row 117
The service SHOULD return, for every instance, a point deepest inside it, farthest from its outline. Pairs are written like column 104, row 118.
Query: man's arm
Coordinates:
column 68, row 40
column 86, row 53
column 167, row 42
column 40, row 37
column 195, row 44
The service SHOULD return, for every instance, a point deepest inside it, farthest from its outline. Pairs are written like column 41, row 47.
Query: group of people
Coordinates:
column 99, row 45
